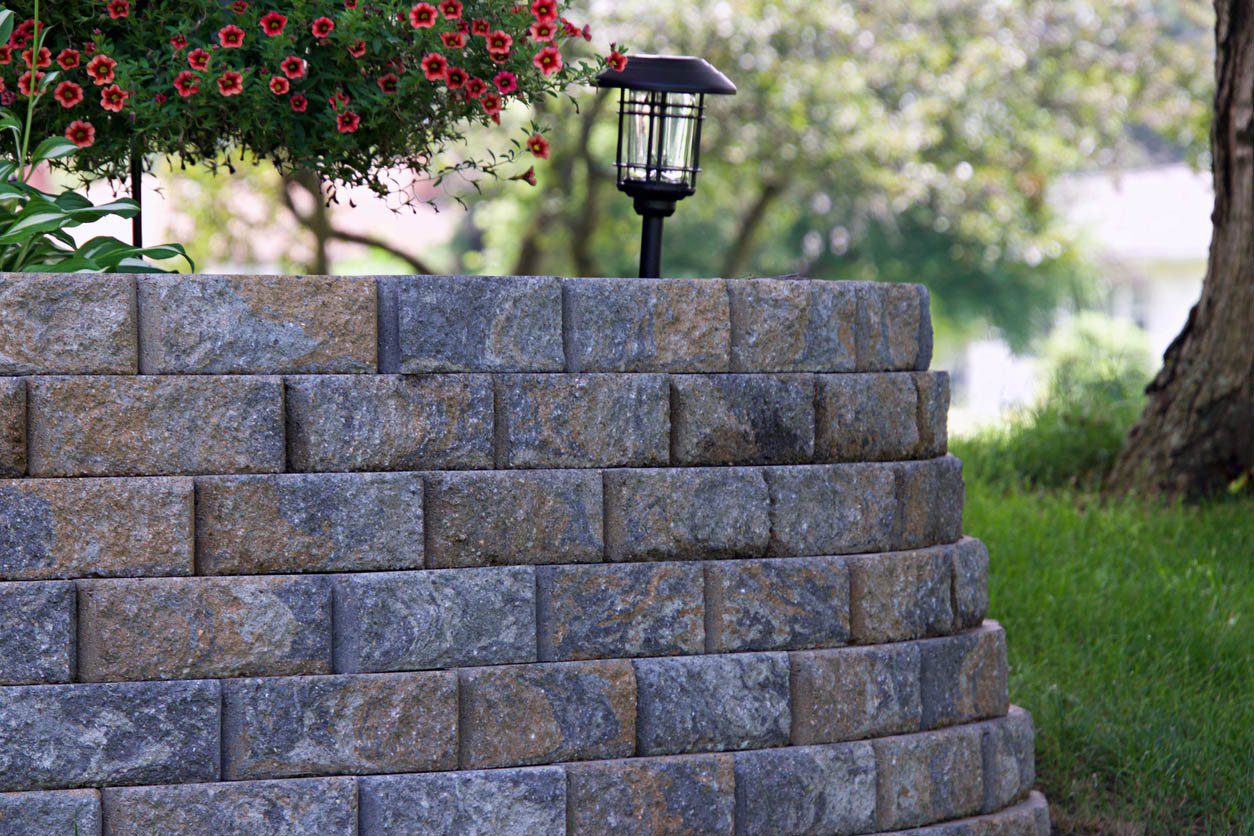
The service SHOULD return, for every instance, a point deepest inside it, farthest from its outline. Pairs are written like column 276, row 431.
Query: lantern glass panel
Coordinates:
column 659, row 135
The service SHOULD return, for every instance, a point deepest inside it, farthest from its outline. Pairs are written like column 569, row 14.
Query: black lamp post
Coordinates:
column 660, row 111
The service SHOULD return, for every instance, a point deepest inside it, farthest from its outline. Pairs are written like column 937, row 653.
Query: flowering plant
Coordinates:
column 346, row 88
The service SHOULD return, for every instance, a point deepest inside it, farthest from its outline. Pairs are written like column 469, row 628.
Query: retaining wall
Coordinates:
column 492, row 556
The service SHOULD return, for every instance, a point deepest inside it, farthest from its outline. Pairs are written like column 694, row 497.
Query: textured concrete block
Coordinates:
column 397, row 621
column 514, row 517
column 186, row 628
column 385, row 422
column 854, row 693
column 479, row 324
column 50, row 813
column 970, row 559
column 257, row 324
column 547, row 421
column 331, row 522
column 12, row 427
column 655, row 325
column 806, row 791
column 688, row 514
column 930, row 495
column 525, row 714
column 339, row 725
column 66, row 528
column 619, row 611
column 831, row 509
column 80, row 324
column 1029, row 818
column 692, row 795
column 155, row 426
column 1009, row 759
column 793, row 326
column 742, row 419
column 929, row 777
column 713, row 703
column 325, row 806
column 500, row 802
column 866, row 418
column 933, row 389
column 898, row 596
column 785, row 604
column 965, row 676
column 36, row 633
column 123, row 733
column 894, row 327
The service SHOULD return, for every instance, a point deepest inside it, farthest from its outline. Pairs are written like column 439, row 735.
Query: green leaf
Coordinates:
column 36, row 217
column 6, row 25
column 54, row 147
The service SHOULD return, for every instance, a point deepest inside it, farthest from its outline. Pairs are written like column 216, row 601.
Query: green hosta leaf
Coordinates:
column 54, row 147
column 125, row 208
column 36, row 217
column 71, row 201
column 6, row 25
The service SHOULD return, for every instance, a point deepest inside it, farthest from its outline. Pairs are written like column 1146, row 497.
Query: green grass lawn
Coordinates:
column 1131, row 634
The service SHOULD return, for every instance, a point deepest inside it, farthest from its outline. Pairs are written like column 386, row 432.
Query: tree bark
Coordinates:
column 750, row 222
column 1197, row 432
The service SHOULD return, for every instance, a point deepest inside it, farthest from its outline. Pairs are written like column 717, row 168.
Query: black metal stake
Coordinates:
column 137, row 194
column 654, row 212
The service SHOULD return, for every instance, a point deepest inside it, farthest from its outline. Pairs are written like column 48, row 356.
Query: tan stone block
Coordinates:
column 866, row 418
column 693, row 795
column 928, row 777
column 793, row 325
column 965, row 677
column 854, row 693
column 898, row 596
column 59, row 324
column 12, row 427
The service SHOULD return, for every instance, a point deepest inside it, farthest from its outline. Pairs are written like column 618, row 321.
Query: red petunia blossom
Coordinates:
column 453, row 40
column 231, row 83
column 101, row 70
column 231, row 36
column 239, row 6
column 89, row 49
column 528, row 176
column 506, row 82
column 451, row 9
column 272, row 24
column 548, row 60
column 280, row 86
column 81, row 133
column 617, row 61
column 538, row 146
column 463, row 26
column 542, row 31
column 299, row 103
column 160, row 98
column 434, row 65
column 24, row 81
column 389, row 83
column 476, row 87
column 179, row 41
column 499, row 43
column 544, row 10
column 422, row 16
column 198, row 59
column 348, row 122
column 455, row 77
column 491, row 104
column 569, row 29
column 118, row 8
column 113, row 98
column 357, row 49
column 322, row 27
column 45, row 57
column 6, row 54
column 350, row 4
column 338, row 100
column 479, row 26
column 68, row 94
column 188, row 84
column 293, row 67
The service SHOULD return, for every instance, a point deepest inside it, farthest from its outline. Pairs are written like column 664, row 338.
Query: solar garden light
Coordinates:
column 660, row 111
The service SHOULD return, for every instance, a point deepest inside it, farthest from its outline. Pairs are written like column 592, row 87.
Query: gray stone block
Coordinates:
column 322, row 806
column 36, row 633
column 1029, row 818
column 190, row 628
column 80, row 324
column 933, row 388
column 1009, row 759
column 970, row 559
column 831, row 509
column 965, row 677
column 123, row 733
column 687, row 514
column 619, row 611
column 742, row 419
column 894, row 327
column 68, row 528
column 806, row 791
column 692, row 795
column 334, row 522
column 855, row 693
column 785, row 604
column 898, row 596
column 930, row 495
column 866, row 418
column 793, row 326
column 56, row 813
column 257, row 324
column 339, row 725
column 590, row 420
column 479, row 324
column 397, row 621
column 929, row 777
column 500, row 802
column 385, row 422
column 12, row 427
column 713, row 703
column 514, row 517
column 652, row 325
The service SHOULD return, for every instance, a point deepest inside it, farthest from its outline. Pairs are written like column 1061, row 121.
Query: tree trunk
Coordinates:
column 1197, row 432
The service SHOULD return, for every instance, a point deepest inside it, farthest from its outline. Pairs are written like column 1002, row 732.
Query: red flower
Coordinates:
column 389, row 83
column 544, row 10
column 338, row 100
column 45, row 57
column 159, row 98
column 231, row 83
column 617, row 61
column 68, row 94
column 548, row 60
column 24, row 81
column 113, row 98
column 476, row 87
column 239, row 7
column 463, row 26
column 322, row 27
column 188, row 84
column 280, row 86
column 422, row 16
column 179, row 41
column 101, row 69
column 479, row 26
column 491, row 104
column 293, row 67
column 81, row 134
column 434, row 65
column 348, row 122
column 539, row 146
column 6, row 54
column 506, row 82
column 272, row 23
column 455, row 77
column 357, row 49
column 231, row 36
column 451, row 9
column 528, row 176
column 118, row 8
column 350, row 4
column 542, row 31
column 569, row 29
column 299, row 103
column 198, row 59
column 453, row 40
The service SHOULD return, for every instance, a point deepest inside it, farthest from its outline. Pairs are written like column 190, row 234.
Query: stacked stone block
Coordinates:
column 496, row 556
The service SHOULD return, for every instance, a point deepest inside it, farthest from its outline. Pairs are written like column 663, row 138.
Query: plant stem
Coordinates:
column 22, row 174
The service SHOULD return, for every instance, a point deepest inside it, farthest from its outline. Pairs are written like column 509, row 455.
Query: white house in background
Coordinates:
column 1149, row 230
